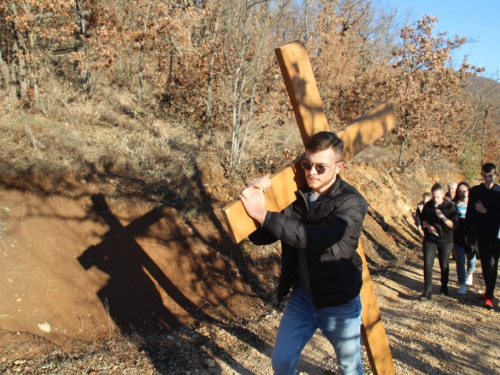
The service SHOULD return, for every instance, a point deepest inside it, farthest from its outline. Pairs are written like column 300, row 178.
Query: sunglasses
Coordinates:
column 307, row 166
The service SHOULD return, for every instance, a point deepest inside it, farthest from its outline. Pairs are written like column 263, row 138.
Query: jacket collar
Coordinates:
column 331, row 192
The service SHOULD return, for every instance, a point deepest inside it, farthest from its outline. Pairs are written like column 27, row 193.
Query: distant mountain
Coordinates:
column 484, row 84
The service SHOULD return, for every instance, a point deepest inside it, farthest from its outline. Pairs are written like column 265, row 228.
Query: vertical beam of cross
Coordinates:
column 308, row 109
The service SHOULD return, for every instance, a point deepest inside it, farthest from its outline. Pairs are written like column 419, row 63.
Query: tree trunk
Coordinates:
column 210, row 80
column 33, row 73
column 81, row 21
column 306, row 21
column 250, row 113
column 141, row 54
column 237, row 88
column 483, row 140
column 7, row 78
column 141, row 75
column 18, row 66
column 401, row 151
column 18, row 71
column 4, row 72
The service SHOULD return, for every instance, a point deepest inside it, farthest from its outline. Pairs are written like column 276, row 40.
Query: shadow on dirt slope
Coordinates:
column 81, row 261
column 84, row 259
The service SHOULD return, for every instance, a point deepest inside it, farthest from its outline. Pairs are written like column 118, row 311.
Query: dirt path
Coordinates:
column 74, row 273
column 447, row 335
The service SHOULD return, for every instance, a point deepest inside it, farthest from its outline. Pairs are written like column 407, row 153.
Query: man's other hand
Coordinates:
column 263, row 183
column 480, row 208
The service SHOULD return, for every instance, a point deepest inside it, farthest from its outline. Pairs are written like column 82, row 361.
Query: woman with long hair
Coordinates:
column 463, row 251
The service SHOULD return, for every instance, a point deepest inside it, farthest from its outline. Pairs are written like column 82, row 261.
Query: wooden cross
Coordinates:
column 308, row 108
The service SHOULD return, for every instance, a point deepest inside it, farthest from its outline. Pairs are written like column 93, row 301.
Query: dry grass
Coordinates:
column 97, row 141
column 68, row 136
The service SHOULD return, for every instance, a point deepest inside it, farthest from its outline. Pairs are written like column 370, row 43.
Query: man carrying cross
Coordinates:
column 319, row 233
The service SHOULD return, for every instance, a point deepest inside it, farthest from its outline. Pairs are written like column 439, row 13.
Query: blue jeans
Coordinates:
column 340, row 325
column 461, row 255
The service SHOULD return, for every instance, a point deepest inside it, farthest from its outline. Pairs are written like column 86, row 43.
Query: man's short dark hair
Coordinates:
column 437, row 187
column 323, row 141
column 426, row 194
column 488, row 167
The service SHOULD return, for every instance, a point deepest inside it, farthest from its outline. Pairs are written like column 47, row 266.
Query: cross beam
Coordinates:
column 362, row 132
column 308, row 109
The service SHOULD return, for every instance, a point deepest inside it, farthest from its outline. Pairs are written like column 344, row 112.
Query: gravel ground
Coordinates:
column 447, row 335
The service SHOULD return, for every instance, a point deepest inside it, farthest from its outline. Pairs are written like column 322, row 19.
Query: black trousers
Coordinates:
column 489, row 252
column 444, row 251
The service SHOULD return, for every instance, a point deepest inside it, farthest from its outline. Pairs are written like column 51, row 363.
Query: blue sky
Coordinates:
column 478, row 20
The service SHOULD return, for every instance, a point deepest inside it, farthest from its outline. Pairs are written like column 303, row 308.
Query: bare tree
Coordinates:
column 485, row 96
column 247, row 61
column 32, row 30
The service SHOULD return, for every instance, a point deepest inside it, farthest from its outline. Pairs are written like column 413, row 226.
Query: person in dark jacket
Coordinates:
column 319, row 234
column 483, row 217
column 451, row 195
column 439, row 217
column 426, row 197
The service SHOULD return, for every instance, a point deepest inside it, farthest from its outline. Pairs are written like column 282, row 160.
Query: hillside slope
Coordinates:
column 107, row 272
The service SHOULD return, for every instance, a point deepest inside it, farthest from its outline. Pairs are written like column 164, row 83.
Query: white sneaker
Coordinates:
column 462, row 289
column 470, row 279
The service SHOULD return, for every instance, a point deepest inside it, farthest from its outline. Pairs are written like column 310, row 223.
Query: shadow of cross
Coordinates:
column 308, row 109
column 131, row 295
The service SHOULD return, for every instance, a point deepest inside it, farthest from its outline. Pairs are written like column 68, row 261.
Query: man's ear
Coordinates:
column 340, row 165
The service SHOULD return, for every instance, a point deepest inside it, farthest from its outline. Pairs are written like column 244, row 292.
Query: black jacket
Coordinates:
column 488, row 223
column 329, row 233
column 429, row 215
column 418, row 214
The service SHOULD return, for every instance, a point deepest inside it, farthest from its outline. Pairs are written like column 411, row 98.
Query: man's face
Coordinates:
column 427, row 198
column 320, row 183
column 438, row 196
column 489, row 178
column 452, row 190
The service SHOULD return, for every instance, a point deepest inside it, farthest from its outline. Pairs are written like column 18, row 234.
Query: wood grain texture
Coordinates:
column 372, row 330
column 357, row 136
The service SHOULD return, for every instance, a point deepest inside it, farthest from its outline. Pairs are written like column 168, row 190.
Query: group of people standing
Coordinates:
column 467, row 221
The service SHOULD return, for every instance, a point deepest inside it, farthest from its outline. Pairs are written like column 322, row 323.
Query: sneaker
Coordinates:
column 470, row 279
column 425, row 297
column 484, row 297
column 488, row 302
column 462, row 289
